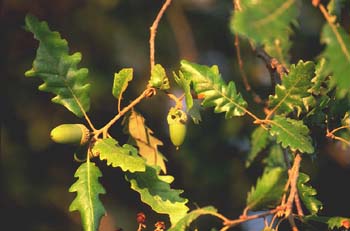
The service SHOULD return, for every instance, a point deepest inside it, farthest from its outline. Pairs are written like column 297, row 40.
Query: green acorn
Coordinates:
column 177, row 126
column 70, row 134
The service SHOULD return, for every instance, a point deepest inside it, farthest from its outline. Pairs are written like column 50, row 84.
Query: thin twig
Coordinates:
column 240, row 63
column 330, row 134
column 230, row 223
column 153, row 32
column 293, row 175
column 330, row 20
column 298, row 205
column 146, row 93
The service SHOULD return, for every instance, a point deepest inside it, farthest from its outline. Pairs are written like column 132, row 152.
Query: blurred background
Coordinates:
column 112, row 34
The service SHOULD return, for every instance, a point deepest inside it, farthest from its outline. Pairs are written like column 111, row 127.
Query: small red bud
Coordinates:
column 141, row 218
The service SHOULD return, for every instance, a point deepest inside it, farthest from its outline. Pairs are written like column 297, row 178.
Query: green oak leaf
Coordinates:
column 58, row 69
column 207, row 83
column 337, row 54
column 293, row 93
column 268, row 189
column 307, row 194
column 185, row 84
column 320, row 83
column 124, row 157
column 332, row 222
column 156, row 192
column 259, row 141
column 87, row 201
column 185, row 222
column 267, row 23
column 291, row 133
column 121, row 81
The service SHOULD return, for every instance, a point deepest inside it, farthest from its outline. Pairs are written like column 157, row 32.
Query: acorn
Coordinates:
column 177, row 126
column 70, row 134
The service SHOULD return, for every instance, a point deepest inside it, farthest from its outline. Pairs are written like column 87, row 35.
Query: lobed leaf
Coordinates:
column 332, row 222
column 307, row 194
column 143, row 138
column 291, row 133
column 87, row 201
column 293, row 93
column 320, row 85
column 185, row 222
column 337, row 54
column 259, row 141
column 58, row 69
column 185, row 84
column 267, row 23
column 121, row 81
column 208, row 83
column 156, row 192
column 124, row 157
column 268, row 190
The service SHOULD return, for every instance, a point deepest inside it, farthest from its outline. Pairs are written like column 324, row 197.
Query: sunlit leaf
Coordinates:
column 157, row 193
column 307, row 194
column 332, row 222
column 338, row 222
column 185, row 222
column 58, row 69
column 320, row 83
column 268, row 189
column 87, row 200
column 185, row 84
column 124, row 157
column 259, row 141
column 208, row 83
column 292, row 93
column 143, row 138
column 267, row 23
column 121, row 81
column 337, row 54
column 291, row 133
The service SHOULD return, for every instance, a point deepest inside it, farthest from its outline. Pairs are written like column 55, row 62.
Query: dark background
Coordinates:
column 112, row 34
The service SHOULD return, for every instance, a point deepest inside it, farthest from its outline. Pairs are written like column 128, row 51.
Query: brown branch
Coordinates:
column 330, row 20
column 153, row 32
column 145, row 94
column 331, row 135
column 230, row 223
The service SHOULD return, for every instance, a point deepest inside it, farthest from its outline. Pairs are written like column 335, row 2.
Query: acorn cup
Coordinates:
column 177, row 126
column 70, row 134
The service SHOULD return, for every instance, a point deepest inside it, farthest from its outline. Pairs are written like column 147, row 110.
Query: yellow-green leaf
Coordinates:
column 121, row 80
column 124, row 157
column 87, row 201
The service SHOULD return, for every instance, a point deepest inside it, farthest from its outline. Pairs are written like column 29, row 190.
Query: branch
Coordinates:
column 331, row 135
column 230, row 223
column 145, row 94
column 153, row 31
